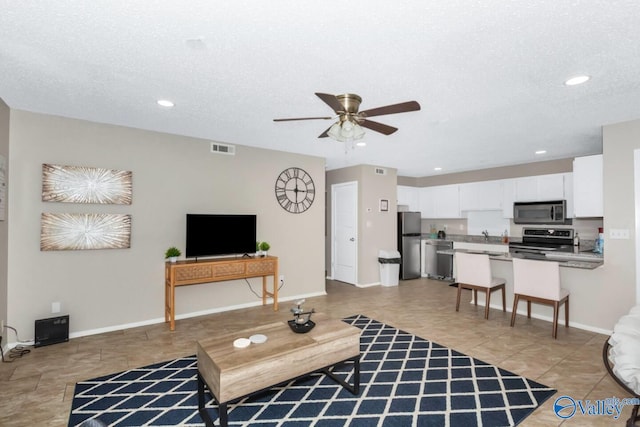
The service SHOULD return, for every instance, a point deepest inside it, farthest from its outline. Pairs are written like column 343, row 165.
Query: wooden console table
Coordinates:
column 184, row 273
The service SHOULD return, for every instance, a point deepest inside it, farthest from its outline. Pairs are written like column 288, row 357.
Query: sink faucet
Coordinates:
column 486, row 235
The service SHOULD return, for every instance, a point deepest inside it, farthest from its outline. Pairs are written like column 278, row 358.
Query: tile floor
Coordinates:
column 38, row 388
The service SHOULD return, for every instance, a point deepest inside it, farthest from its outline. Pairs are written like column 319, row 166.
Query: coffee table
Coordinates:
column 231, row 373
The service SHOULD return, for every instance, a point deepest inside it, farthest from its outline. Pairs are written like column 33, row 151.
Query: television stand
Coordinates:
column 184, row 273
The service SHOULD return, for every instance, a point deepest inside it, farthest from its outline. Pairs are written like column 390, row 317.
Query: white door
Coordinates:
column 344, row 220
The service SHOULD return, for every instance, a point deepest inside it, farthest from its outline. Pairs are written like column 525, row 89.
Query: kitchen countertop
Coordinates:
column 580, row 260
column 584, row 259
column 492, row 240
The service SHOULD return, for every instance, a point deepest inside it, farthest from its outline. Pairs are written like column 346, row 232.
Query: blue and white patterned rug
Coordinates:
column 405, row 381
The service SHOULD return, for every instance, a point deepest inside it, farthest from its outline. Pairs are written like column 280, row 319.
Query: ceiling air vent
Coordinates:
column 381, row 171
column 219, row 148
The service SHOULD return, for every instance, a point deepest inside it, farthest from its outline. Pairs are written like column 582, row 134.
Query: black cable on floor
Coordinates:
column 14, row 353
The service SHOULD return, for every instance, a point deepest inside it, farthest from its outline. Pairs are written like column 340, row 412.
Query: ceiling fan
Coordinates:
column 351, row 121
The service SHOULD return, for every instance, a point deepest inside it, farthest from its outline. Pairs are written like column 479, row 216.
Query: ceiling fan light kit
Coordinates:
column 345, row 131
column 349, row 126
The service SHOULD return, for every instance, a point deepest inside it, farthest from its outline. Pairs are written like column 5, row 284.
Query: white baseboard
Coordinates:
column 549, row 319
column 188, row 315
column 357, row 285
column 367, row 285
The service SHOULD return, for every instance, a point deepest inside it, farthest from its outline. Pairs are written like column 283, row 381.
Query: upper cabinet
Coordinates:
column 427, row 202
column 409, row 196
column 540, row 188
column 454, row 201
column 481, row 196
column 448, row 197
column 442, row 201
column 588, row 187
column 508, row 197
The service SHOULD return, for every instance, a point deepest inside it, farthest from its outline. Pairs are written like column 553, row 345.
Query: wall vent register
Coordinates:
column 51, row 331
column 227, row 149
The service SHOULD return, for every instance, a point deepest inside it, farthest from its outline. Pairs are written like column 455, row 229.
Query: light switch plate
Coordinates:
column 619, row 233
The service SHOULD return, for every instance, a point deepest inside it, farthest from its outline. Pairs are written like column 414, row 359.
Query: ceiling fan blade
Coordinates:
column 378, row 127
column 403, row 107
column 302, row 118
column 325, row 133
column 331, row 101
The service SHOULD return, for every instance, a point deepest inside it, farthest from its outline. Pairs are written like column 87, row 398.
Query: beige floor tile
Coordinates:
column 38, row 388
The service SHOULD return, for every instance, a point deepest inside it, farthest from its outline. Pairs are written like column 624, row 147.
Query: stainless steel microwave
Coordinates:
column 549, row 212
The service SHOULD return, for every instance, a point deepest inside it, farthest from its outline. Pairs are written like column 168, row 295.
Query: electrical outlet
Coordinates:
column 55, row 307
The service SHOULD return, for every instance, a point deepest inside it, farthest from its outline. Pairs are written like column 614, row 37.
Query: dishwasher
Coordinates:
column 438, row 262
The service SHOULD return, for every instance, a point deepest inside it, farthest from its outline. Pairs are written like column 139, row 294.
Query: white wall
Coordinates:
column 4, row 151
column 172, row 176
column 619, row 142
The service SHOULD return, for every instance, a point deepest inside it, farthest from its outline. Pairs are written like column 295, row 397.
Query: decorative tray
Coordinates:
column 301, row 328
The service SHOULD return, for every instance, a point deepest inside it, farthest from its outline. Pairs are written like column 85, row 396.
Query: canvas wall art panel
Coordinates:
column 77, row 184
column 75, row 231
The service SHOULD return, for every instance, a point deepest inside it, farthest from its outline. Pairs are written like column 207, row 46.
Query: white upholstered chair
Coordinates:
column 473, row 271
column 539, row 281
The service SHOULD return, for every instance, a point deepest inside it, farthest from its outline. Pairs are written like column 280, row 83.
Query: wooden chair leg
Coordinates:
column 475, row 296
column 486, row 304
column 458, row 298
column 504, row 301
column 516, row 298
column 528, row 309
column 556, row 307
column 566, row 313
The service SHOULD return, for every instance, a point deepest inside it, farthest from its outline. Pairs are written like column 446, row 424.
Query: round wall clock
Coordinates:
column 295, row 190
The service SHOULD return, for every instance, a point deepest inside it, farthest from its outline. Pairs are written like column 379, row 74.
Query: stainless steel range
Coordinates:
column 537, row 241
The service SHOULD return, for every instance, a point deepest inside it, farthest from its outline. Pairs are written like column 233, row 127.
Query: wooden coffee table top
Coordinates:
column 232, row 372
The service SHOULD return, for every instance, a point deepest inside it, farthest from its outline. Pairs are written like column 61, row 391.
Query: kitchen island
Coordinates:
column 583, row 274
column 578, row 277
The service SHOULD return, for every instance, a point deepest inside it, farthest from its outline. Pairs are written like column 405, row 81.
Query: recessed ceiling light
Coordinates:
column 576, row 80
column 361, row 144
column 541, row 151
column 437, row 169
column 165, row 103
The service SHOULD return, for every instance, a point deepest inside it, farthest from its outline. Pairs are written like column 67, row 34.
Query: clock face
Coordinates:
column 295, row 190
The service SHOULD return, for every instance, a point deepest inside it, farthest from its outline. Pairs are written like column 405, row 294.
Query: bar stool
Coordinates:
column 473, row 271
column 539, row 281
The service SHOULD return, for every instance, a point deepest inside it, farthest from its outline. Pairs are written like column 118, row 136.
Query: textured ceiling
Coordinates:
column 488, row 74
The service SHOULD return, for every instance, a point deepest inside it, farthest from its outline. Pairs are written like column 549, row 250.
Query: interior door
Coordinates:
column 344, row 220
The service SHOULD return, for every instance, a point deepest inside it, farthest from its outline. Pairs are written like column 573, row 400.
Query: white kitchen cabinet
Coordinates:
column 540, row 188
column 508, row 197
column 568, row 194
column 442, row 201
column 551, row 187
column 448, row 201
column 481, row 196
column 427, row 203
column 588, row 187
column 409, row 196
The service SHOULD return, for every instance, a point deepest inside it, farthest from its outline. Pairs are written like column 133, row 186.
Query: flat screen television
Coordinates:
column 211, row 235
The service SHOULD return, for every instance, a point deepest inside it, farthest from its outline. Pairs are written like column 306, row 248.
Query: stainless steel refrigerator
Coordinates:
column 409, row 232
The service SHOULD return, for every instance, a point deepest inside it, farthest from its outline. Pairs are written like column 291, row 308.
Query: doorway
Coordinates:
column 344, row 232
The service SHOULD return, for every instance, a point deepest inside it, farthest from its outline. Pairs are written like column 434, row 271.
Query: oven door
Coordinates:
column 528, row 252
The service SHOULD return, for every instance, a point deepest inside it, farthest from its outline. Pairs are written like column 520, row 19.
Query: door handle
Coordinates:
column 352, row 239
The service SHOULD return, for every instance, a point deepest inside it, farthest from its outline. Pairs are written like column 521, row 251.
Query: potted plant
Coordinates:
column 172, row 254
column 264, row 247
